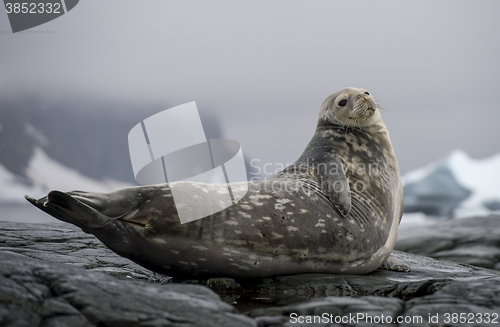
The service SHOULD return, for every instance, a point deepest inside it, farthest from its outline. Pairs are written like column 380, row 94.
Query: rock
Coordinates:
column 79, row 282
column 493, row 205
column 67, row 244
column 426, row 276
column 433, row 288
column 471, row 300
column 42, row 293
column 437, row 194
column 474, row 241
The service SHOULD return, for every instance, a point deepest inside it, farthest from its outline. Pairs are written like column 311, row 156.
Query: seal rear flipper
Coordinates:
column 66, row 208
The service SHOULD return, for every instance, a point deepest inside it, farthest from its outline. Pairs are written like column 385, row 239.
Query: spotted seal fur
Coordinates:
column 335, row 210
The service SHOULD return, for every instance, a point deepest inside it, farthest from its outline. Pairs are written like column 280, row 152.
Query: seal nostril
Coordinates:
column 367, row 93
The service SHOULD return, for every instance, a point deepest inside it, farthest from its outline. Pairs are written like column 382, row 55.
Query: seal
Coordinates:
column 335, row 210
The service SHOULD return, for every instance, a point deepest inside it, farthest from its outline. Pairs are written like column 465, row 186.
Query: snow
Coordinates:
column 480, row 176
column 410, row 220
column 11, row 190
column 419, row 173
column 47, row 174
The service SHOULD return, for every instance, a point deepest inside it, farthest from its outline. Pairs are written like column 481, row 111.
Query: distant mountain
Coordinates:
column 71, row 143
column 45, row 174
column 86, row 136
column 454, row 186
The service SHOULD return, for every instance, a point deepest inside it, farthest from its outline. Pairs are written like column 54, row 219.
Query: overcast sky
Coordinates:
column 264, row 67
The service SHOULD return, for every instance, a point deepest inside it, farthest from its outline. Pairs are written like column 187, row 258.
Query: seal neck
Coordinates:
column 376, row 128
column 325, row 125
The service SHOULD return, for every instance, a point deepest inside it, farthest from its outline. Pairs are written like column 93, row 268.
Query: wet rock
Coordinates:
column 67, row 244
column 474, row 241
column 80, row 282
column 493, row 205
column 426, row 277
column 330, row 310
column 432, row 290
column 42, row 293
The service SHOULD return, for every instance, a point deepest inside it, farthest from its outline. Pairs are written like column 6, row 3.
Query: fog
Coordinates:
column 264, row 67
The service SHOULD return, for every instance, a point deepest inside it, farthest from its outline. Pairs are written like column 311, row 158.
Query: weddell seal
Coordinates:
column 335, row 210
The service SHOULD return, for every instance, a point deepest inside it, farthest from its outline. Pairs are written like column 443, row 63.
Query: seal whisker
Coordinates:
column 359, row 124
column 382, row 108
column 347, row 127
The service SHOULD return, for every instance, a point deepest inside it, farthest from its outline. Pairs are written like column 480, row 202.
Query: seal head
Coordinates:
column 349, row 107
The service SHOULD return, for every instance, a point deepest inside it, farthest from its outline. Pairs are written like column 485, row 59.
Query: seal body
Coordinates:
column 335, row 210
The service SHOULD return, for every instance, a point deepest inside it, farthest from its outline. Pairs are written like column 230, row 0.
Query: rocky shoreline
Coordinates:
column 56, row 275
column 474, row 241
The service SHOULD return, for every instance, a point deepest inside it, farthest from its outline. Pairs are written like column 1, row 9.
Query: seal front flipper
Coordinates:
column 394, row 264
column 333, row 181
column 66, row 208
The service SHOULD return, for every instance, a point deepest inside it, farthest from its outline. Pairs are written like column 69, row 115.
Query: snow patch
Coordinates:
column 480, row 176
column 410, row 220
column 46, row 174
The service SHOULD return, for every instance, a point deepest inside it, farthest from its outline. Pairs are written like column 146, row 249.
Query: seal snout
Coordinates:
column 363, row 103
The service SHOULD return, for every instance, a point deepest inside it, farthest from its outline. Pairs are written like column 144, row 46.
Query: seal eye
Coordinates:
column 367, row 93
column 342, row 103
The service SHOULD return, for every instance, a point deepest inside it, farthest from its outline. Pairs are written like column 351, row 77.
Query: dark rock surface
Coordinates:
column 474, row 241
column 79, row 282
column 65, row 243
column 492, row 205
column 42, row 293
